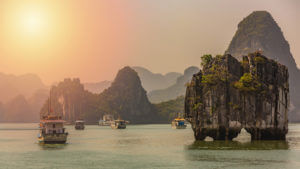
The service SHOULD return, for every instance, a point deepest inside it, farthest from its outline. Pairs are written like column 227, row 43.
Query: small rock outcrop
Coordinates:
column 228, row 95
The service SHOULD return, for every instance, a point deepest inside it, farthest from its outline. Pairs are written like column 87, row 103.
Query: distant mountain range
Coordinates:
column 97, row 87
column 12, row 86
column 21, row 97
column 154, row 81
column 150, row 81
column 175, row 90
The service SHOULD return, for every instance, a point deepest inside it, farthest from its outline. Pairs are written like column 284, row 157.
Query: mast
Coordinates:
column 49, row 103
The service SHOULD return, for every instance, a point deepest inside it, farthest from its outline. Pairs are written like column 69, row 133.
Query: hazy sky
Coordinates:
column 92, row 40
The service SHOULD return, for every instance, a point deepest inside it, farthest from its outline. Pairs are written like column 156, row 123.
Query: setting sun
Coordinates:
column 32, row 22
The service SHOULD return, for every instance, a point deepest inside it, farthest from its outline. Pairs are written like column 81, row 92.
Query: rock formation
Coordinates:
column 68, row 99
column 259, row 31
column 228, row 95
column 125, row 98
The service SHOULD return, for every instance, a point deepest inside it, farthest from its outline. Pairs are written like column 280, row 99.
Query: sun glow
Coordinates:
column 31, row 31
column 32, row 22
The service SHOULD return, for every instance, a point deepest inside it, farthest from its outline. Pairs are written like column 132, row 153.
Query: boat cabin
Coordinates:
column 52, row 125
column 79, row 124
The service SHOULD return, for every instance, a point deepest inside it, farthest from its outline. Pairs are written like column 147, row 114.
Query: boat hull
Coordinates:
column 53, row 138
column 118, row 127
column 79, row 127
column 105, row 123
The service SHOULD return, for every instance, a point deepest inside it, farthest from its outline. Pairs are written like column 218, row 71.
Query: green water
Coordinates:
column 142, row 146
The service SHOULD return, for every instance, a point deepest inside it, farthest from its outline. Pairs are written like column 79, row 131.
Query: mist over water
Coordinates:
column 142, row 146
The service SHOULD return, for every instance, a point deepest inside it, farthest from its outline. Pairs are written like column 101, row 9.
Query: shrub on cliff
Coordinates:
column 248, row 83
column 206, row 59
column 215, row 72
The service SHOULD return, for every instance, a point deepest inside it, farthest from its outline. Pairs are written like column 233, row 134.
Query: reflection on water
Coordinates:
column 44, row 146
column 235, row 145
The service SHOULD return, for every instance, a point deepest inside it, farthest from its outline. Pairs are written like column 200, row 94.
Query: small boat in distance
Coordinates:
column 52, row 130
column 178, row 123
column 118, row 124
column 107, row 120
column 79, row 125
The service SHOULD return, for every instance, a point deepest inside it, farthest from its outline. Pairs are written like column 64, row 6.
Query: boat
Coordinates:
column 178, row 123
column 118, row 124
column 79, row 125
column 107, row 120
column 52, row 130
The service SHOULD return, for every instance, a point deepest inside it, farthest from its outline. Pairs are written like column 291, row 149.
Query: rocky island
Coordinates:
column 228, row 95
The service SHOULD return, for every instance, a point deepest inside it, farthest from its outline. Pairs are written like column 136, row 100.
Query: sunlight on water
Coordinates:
column 142, row 146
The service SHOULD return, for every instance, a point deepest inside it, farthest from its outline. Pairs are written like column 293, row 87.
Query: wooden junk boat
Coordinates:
column 118, row 124
column 79, row 125
column 52, row 130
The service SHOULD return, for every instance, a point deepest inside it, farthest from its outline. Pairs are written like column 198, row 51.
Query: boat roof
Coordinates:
column 52, row 121
column 179, row 119
column 119, row 120
column 79, row 121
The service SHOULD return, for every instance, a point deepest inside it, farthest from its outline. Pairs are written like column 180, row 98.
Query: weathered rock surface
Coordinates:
column 228, row 95
column 260, row 31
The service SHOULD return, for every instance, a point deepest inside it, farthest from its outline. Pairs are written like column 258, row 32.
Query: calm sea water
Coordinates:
column 142, row 146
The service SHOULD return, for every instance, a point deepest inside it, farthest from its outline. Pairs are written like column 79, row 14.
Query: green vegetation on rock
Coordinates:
column 215, row 71
column 248, row 83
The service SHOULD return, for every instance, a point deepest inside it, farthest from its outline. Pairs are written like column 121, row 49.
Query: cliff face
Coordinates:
column 127, row 98
column 68, row 99
column 228, row 95
column 259, row 31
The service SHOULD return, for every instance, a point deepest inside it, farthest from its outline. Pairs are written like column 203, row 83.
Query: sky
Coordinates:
column 93, row 39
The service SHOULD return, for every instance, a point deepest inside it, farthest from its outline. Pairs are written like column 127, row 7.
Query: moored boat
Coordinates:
column 107, row 120
column 118, row 124
column 178, row 123
column 79, row 125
